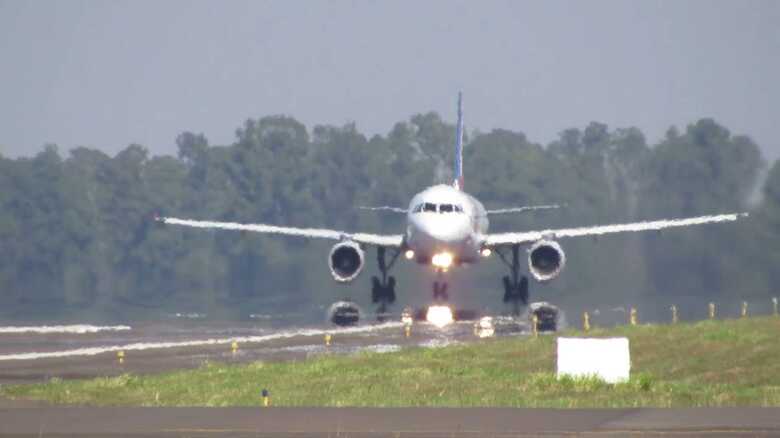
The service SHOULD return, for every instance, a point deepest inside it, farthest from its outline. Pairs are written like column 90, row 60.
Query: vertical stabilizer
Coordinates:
column 458, row 174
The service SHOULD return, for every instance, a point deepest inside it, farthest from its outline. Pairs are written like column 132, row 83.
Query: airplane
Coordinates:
column 446, row 228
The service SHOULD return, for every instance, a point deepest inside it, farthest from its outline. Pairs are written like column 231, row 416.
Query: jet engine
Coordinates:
column 546, row 260
column 346, row 261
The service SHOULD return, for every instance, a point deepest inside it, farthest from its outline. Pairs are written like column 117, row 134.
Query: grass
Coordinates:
column 708, row 363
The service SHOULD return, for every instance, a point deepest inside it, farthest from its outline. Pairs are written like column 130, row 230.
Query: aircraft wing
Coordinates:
column 384, row 240
column 385, row 208
column 522, row 209
column 527, row 237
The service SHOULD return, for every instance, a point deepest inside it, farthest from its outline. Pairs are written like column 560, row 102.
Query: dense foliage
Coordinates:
column 77, row 234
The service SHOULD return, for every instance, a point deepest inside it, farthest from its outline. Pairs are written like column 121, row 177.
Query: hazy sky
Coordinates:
column 109, row 73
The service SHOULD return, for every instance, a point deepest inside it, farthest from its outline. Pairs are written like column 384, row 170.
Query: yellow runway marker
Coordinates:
column 266, row 397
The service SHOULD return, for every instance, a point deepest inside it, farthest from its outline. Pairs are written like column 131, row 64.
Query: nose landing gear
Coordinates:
column 383, row 290
column 516, row 286
column 440, row 288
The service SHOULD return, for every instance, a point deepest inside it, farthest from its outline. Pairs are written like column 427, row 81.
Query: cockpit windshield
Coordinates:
column 430, row 207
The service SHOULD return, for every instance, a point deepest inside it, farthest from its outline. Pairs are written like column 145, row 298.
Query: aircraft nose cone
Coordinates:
column 447, row 229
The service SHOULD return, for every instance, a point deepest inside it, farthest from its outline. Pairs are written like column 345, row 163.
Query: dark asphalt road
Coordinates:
column 392, row 422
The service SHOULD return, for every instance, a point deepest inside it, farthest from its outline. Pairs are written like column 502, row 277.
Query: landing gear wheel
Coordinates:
column 376, row 290
column 383, row 289
column 522, row 290
column 507, row 289
column 391, row 290
column 515, row 286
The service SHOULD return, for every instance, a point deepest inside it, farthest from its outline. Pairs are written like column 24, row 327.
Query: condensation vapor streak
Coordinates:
column 533, row 236
column 92, row 351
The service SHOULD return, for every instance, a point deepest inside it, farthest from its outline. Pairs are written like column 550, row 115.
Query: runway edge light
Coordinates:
column 266, row 397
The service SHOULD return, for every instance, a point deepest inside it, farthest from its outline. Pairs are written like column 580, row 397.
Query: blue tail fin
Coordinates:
column 458, row 174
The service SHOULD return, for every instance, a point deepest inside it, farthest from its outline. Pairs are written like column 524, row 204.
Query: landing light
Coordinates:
column 439, row 316
column 486, row 252
column 409, row 254
column 442, row 260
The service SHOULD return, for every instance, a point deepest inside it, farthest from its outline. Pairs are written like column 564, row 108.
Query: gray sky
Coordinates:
column 109, row 73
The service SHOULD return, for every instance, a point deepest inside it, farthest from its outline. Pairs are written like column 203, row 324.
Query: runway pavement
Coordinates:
column 33, row 357
column 391, row 422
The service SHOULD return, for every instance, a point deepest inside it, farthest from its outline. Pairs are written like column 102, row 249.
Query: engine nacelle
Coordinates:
column 546, row 260
column 346, row 261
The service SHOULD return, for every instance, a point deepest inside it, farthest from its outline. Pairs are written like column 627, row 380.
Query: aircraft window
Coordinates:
column 445, row 208
column 458, row 208
column 429, row 207
column 418, row 208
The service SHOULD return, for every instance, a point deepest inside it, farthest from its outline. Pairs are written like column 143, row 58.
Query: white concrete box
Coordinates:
column 608, row 359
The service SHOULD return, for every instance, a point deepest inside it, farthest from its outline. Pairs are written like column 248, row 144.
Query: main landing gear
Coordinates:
column 516, row 286
column 383, row 290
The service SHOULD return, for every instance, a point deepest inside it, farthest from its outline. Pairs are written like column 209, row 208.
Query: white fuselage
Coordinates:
column 442, row 219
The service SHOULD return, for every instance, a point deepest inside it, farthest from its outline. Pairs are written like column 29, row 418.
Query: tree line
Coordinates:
column 78, row 236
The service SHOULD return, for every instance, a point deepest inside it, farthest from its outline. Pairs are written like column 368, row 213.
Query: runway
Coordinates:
column 85, row 351
column 391, row 422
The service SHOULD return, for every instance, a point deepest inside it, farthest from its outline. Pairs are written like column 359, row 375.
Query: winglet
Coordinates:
column 458, row 173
